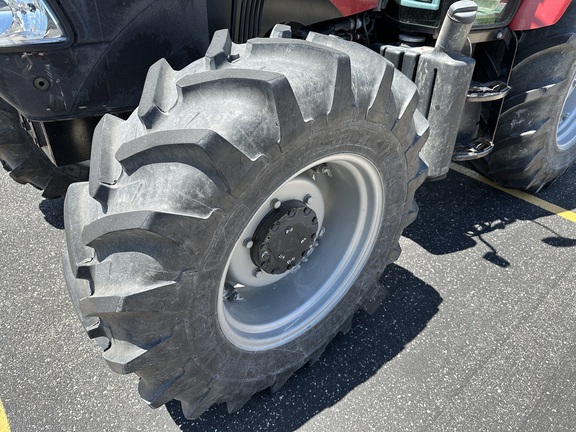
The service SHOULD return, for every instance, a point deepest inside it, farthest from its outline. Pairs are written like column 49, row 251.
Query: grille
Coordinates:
column 246, row 19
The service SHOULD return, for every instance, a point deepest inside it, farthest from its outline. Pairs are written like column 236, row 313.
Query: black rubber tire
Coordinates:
column 172, row 187
column 27, row 163
column 526, row 154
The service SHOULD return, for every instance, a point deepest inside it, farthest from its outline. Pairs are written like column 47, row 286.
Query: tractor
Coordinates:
column 238, row 173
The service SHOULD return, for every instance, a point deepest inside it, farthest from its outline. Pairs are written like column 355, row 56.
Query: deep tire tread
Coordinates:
column 324, row 93
column 27, row 163
column 219, row 50
column 202, row 149
column 159, row 93
column 332, row 65
column 124, row 357
column 105, row 169
column 136, row 300
column 84, row 209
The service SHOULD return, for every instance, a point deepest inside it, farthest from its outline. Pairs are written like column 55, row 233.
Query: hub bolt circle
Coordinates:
column 283, row 237
column 275, row 204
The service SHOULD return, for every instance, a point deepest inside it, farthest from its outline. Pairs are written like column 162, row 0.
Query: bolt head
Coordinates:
column 282, row 256
column 265, row 254
column 303, row 240
column 257, row 273
column 308, row 199
column 289, row 230
column 248, row 243
column 275, row 204
column 295, row 268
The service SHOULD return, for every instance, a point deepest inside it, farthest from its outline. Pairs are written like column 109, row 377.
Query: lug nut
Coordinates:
column 308, row 199
column 323, row 169
column 275, row 204
column 322, row 231
column 265, row 254
column 231, row 294
column 248, row 243
column 295, row 268
column 303, row 240
column 257, row 273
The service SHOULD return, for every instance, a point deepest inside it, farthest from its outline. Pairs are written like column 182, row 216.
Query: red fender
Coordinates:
column 534, row 14
column 351, row 7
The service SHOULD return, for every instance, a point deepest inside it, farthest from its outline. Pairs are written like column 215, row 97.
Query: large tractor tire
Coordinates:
column 536, row 137
column 234, row 224
column 27, row 163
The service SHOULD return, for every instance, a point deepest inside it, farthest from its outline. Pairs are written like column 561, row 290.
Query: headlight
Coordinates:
column 28, row 22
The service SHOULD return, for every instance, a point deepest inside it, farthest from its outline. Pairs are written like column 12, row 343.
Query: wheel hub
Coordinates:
column 337, row 201
column 284, row 237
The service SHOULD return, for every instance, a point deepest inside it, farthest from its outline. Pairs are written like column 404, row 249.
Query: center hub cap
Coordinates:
column 284, row 237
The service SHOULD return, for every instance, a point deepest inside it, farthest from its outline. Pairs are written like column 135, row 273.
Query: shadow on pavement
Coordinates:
column 347, row 362
column 458, row 212
column 53, row 210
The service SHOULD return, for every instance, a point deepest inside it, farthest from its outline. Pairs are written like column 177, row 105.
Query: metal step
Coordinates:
column 470, row 150
column 487, row 92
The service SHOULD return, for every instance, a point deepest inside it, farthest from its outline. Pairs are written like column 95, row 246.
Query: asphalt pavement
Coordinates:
column 478, row 332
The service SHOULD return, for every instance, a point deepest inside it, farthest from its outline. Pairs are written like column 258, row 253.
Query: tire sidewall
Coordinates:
column 213, row 350
column 566, row 92
column 559, row 159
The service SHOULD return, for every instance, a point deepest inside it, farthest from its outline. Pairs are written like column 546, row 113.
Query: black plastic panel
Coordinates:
column 104, row 70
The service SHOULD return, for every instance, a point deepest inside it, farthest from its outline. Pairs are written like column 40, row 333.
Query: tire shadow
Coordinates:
column 53, row 210
column 347, row 362
column 457, row 213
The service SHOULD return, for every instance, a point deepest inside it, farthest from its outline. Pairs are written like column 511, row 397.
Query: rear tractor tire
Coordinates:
column 234, row 224
column 27, row 163
column 536, row 137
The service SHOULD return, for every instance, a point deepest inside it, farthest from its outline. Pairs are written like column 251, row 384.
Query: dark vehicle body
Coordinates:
column 62, row 90
column 65, row 88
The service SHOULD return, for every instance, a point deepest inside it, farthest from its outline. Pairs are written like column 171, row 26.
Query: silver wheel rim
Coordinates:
column 566, row 135
column 271, row 310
